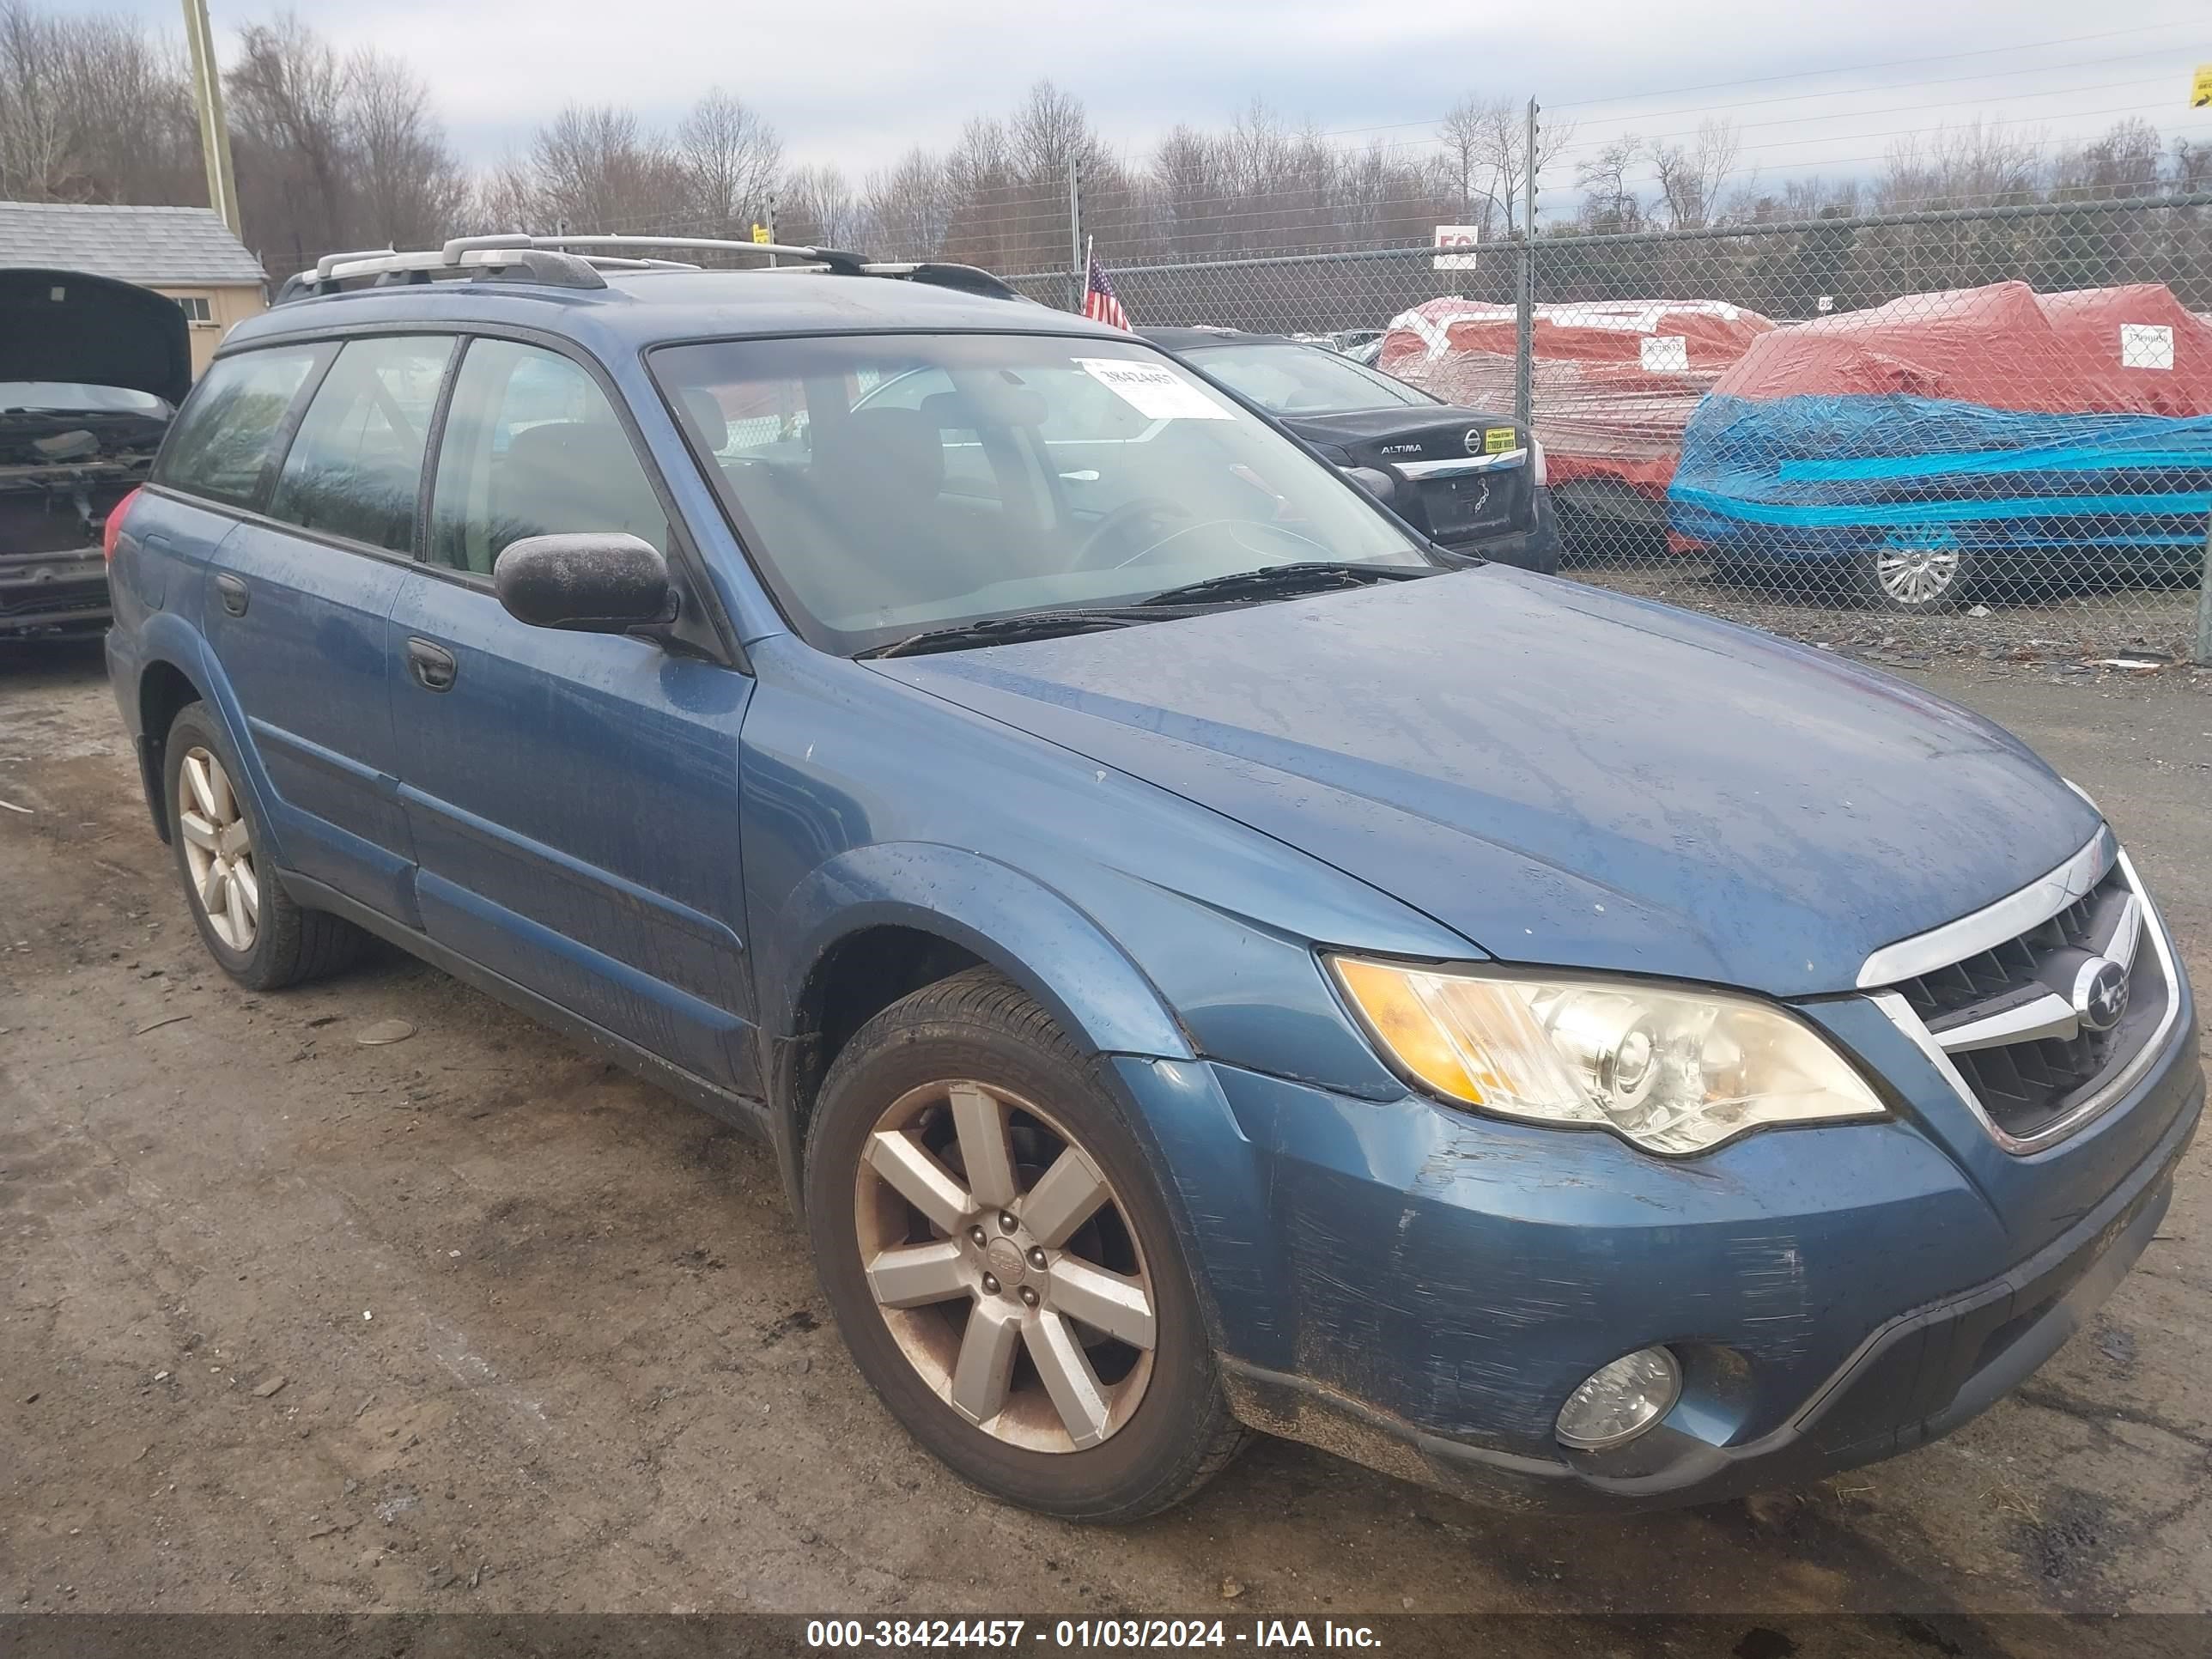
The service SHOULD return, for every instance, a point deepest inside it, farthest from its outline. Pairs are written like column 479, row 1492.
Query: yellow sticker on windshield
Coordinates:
column 1497, row 439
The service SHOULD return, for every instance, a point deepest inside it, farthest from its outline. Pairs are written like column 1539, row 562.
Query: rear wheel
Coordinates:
column 993, row 1245
column 251, row 926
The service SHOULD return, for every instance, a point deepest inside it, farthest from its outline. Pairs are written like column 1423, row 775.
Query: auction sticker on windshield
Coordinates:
column 1153, row 390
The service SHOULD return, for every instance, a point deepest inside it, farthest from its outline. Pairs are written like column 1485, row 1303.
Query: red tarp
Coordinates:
column 1615, row 380
column 2132, row 351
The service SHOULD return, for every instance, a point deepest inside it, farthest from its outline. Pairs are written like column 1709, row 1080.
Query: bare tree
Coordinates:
column 818, row 206
column 1693, row 176
column 595, row 169
column 1485, row 146
column 410, row 188
column 910, row 206
column 286, row 91
column 93, row 109
column 729, row 158
column 1610, row 201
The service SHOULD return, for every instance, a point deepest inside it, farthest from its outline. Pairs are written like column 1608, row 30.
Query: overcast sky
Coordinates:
column 856, row 81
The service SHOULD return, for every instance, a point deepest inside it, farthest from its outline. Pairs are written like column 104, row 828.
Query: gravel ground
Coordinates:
column 472, row 1322
column 2059, row 627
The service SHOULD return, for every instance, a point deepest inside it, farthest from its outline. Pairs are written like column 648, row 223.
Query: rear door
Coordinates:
column 296, row 606
column 573, row 798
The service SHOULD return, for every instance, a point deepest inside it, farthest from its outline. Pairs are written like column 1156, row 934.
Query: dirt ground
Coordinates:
column 472, row 1321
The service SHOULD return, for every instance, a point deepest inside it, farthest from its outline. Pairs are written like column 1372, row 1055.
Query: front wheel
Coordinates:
column 1913, row 581
column 993, row 1245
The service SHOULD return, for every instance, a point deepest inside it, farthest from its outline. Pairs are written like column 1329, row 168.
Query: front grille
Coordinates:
column 2019, row 1020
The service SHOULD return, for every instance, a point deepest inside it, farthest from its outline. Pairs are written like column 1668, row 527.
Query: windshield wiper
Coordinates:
column 1003, row 630
column 1284, row 581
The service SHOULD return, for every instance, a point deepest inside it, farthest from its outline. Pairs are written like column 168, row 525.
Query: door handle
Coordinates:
column 433, row 666
column 233, row 591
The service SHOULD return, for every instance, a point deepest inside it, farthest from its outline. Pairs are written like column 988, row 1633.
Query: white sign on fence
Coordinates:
column 1455, row 246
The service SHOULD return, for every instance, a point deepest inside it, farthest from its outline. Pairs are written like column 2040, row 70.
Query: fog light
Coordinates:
column 1620, row 1400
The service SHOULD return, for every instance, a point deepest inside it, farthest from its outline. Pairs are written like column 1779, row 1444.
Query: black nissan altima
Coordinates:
column 1472, row 480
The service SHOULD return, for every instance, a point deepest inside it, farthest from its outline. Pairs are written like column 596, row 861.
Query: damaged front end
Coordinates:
column 62, row 470
column 91, row 373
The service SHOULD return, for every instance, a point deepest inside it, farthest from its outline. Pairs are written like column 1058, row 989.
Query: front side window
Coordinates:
column 1287, row 378
column 355, row 467
column 226, row 434
column 887, row 484
column 532, row 448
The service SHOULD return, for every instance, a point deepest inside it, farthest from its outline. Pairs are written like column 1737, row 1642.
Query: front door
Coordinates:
column 573, row 798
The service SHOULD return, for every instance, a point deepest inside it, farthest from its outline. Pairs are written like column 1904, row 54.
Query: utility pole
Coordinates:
column 215, row 130
column 1079, row 277
column 2204, row 602
column 1524, row 332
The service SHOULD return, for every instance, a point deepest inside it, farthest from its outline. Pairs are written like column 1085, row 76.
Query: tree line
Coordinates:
column 336, row 151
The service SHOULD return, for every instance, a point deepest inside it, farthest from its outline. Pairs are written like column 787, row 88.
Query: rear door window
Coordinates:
column 356, row 468
column 225, row 441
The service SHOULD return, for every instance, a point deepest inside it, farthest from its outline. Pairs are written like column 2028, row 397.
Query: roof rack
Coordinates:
column 576, row 262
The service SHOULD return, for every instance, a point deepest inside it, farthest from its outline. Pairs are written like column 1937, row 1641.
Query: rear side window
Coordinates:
column 356, row 468
column 223, row 442
column 532, row 448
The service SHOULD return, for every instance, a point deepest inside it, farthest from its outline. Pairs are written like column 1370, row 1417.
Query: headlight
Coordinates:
column 1539, row 475
column 1673, row 1071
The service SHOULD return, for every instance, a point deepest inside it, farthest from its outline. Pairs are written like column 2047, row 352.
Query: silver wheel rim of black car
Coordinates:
column 1005, row 1265
column 1916, row 577
column 218, row 850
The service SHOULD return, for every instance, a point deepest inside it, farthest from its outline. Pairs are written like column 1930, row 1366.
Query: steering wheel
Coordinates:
column 1155, row 511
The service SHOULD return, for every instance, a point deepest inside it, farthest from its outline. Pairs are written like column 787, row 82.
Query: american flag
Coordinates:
column 1100, row 303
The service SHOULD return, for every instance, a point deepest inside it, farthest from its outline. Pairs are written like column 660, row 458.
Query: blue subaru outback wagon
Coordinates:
column 1206, row 959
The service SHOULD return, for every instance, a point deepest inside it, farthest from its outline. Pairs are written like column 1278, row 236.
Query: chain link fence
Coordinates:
column 1982, row 430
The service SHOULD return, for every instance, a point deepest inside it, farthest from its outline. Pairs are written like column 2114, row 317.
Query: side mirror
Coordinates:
column 597, row 582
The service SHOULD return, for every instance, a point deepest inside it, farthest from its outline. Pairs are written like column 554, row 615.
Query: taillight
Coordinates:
column 115, row 517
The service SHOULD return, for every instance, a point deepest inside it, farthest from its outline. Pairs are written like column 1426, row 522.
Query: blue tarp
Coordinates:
column 1828, row 476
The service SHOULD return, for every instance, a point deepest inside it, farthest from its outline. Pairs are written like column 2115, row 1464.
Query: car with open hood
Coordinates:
column 1472, row 480
column 1206, row 958
column 91, row 370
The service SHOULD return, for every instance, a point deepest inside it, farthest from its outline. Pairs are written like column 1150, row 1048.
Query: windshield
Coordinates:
column 887, row 484
column 1286, row 379
column 71, row 395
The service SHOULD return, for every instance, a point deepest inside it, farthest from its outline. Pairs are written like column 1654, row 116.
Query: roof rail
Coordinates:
column 576, row 262
column 836, row 259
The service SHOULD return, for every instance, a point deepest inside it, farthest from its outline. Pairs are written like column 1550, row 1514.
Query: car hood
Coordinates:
column 1561, row 775
column 68, row 325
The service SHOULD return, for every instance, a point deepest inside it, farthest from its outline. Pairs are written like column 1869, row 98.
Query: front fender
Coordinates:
column 1009, row 919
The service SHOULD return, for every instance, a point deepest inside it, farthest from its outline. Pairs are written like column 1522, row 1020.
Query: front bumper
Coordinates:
column 60, row 594
column 1431, row 1285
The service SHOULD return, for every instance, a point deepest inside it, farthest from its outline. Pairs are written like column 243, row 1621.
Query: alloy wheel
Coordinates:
column 1916, row 578
column 218, row 850
column 1005, row 1267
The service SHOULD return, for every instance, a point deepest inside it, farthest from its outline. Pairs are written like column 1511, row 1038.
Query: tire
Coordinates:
column 1913, row 582
column 977, row 1038
column 286, row 942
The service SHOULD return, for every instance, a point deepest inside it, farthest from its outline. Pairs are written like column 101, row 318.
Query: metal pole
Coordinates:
column 215, row 129
column 1525, row 330
column 2204, row 602
column 1077, row 276
column 771, row 228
